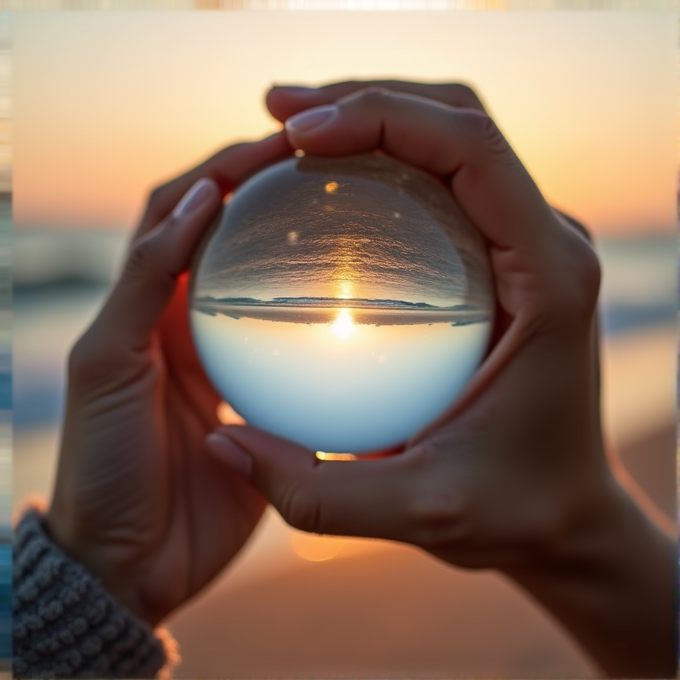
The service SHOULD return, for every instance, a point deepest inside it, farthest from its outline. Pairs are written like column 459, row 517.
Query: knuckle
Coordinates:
column 438, row 519
column 580, row 289
column 222, row 168
column 226, row 155
column 373, row 97
column 92, row 356
column 463, row 95
column 437, row 506
column 144, row 256
column 83, row 356
column 590, row 273
column 158, row 200
column 158, row 206
column 482, row 131
column 223, row 162
column 573, row 224
column 301, row 509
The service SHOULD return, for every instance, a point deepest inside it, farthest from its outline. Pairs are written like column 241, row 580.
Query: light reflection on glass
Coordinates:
column 322, row 455
column 343, row 326
column 315, row 548
column 227, row 416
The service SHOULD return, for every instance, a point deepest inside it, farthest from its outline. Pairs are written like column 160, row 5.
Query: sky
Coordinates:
column 108, row 105
column 361, row 227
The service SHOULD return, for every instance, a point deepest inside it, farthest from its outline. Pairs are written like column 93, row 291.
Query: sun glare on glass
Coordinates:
column 343, row 326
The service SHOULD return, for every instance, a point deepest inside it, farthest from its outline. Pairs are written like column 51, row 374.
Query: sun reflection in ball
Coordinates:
column 343, row 326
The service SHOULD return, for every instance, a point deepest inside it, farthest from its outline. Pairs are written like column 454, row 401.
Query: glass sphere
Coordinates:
column 342, row 303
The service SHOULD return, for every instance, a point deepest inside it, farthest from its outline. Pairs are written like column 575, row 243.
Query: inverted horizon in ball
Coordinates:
column 342, row 303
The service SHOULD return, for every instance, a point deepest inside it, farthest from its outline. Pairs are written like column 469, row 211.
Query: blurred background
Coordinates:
column 108, row 105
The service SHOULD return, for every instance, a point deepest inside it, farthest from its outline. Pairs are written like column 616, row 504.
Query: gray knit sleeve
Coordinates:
column 66, row 625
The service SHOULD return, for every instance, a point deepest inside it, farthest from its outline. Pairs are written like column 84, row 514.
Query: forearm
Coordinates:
column 612, row 581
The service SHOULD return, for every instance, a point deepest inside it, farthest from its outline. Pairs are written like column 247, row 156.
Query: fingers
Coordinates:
column 535, row 251
column 227, row 168
column 146, row 285
column 537, row 260
column 358, row 498
column 546, row 275
column 488, row 179
column 573, row 224
column 176, row 218
column 285, row 101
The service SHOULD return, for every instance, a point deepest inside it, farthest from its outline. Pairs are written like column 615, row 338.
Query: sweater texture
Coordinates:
column 66, row 625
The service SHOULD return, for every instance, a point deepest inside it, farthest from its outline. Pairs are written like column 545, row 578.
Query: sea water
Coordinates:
column 335, row 383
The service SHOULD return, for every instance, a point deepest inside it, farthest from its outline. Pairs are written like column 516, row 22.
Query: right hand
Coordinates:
column 514, row 476
column 528, row 425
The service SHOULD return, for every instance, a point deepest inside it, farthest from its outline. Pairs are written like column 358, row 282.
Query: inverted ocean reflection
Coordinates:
column 339, row 379
column 638, row 292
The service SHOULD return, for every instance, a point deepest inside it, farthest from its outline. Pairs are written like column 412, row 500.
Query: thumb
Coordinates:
column 350, row 498
column 266, row 460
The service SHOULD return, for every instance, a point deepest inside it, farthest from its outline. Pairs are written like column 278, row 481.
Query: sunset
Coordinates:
column 345, row 323
column 134, row 99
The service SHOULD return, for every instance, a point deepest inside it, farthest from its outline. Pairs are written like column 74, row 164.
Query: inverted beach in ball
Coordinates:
column 342, row 303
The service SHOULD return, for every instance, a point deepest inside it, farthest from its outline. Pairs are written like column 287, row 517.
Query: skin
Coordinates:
column 155, row 497
column 514, row 477
column 137, row 499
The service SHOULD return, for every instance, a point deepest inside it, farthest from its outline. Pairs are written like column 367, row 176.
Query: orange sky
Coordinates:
column 108, row 104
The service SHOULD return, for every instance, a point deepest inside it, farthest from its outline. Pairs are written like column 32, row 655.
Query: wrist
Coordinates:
column 609, row 574
column 102, row 563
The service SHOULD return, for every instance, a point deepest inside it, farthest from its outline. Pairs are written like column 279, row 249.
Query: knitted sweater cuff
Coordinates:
column 66, row 625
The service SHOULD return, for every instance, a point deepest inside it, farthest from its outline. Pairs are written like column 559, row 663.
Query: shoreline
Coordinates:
column 374, row 316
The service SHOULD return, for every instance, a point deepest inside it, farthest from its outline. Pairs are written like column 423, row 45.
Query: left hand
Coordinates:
column 138, row 500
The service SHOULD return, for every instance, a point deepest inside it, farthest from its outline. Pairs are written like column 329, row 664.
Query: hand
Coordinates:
column 137, row 499
column 514, row 476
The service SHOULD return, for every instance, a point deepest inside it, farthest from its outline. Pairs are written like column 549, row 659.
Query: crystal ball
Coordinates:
column 342, row 303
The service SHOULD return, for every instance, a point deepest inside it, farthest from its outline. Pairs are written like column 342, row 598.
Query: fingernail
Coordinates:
column 295, row 90
column 307, row 120
column 193, row 198
column 229, row 453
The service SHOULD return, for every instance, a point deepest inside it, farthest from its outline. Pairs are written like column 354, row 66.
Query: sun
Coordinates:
column 343, row 326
